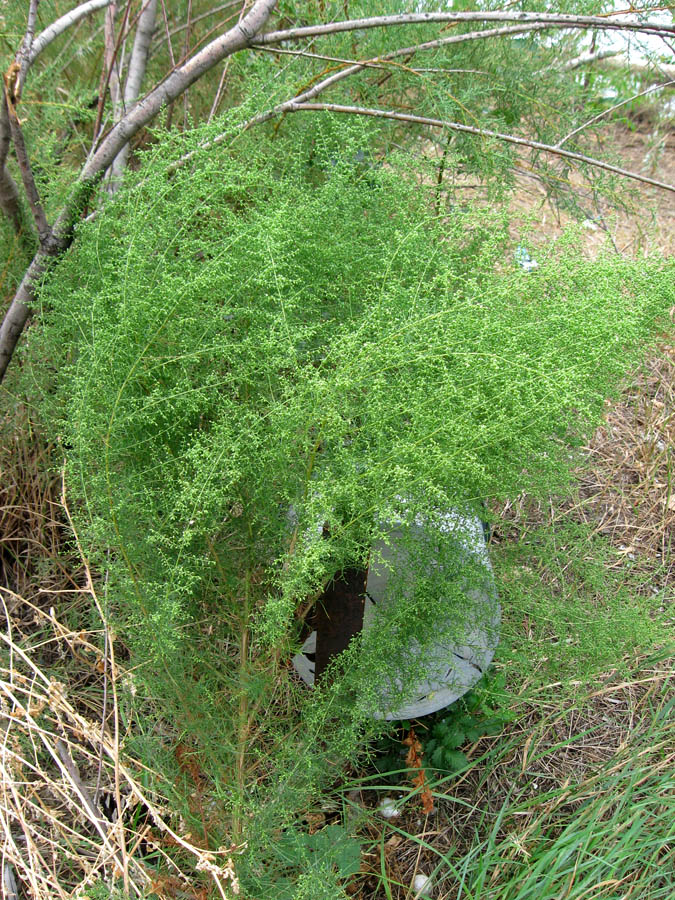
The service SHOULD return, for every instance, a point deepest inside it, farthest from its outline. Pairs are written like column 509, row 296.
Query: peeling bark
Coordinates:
column 137, row 65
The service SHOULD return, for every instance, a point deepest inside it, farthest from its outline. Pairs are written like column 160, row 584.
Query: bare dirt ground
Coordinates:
column 646, row 226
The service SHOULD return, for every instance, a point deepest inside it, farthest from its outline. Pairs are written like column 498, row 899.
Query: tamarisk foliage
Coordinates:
column 262, row 362
column 478, row 81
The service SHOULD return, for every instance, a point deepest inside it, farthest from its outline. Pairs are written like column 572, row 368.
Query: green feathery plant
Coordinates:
column 279, row 338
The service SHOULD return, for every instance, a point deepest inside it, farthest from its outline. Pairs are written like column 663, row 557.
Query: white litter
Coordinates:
column 387, row 808
column 524, row 259
column 421, row 885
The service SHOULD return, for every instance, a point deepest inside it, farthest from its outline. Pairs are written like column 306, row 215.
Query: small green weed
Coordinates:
column 471, row 717
column 479, row 712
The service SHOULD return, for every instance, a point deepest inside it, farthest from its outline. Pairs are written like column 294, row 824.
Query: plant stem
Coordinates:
column 481, row 132
column 243, row 722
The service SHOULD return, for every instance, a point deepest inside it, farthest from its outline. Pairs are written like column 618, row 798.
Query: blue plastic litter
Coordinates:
column 524, row 259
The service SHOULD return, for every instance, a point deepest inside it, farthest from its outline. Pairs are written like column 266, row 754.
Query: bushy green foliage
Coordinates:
column 285, row 335
column 281, row 338
column 330, row 856
column 517, row 85
column 569, row 609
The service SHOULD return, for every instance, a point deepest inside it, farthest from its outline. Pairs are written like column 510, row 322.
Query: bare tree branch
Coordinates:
column 186, row 50
column 14, row 79
column 137, row 65
column 356, row 66
column 242, row 35
column 558, row 20
column 45, row 38
column 205, row 15
column 110, row 72
column 168, row 36
column 352, row 68
column 223, row 77
column 43, row 229
column 169, row 45
column 23, row 56
column 117, row 59
column 644, row 69
column 611, row 109
column 247, row 33
column 585, row 58
column 481, row 132
column 10, row 201
column 19, row 309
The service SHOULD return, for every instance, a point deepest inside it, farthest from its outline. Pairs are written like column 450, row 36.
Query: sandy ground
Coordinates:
column 646, row 226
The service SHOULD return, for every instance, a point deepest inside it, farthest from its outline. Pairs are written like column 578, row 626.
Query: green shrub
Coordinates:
column 260, row 344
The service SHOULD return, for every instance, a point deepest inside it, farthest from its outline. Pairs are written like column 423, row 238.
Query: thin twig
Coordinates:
column 168, row 36
column 205, row 15
column 219, row 91
column 110, row 73
column 135, row 74
column 223, row 77
column 380, row 63
column 585, row 58
column 172, row 59
column 104, row 705
column 186, row 48
column 556, row 20
column 281, row 108
column 76, row 780
column 11, row 97
column 481, row 132
column 45, row 38
column 606, row 112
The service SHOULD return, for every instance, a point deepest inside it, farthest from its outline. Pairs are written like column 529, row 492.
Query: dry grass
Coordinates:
column 31, row 529
column 73, row 806
column 629, row 493
column 558, row 753
column 646, row 223
column 551, row 760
